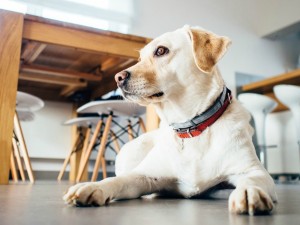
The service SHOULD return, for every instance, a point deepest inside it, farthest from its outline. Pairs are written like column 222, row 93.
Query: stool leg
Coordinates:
column 142, row 125
column 103, row 164
column 67, row 159
column 13, row 167
column 101, row 147
column 116, row 143
column 18, row 157
column 23, row 148
column 88, row 151
column 130, row 132
column 83, row 152
column 85, row 145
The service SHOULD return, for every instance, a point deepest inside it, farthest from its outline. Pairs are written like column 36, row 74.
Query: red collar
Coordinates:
column 199, row 123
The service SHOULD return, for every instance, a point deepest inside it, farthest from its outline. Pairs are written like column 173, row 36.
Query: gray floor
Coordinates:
column 41, row 204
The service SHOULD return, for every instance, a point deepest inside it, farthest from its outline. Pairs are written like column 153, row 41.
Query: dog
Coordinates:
column 204, row 137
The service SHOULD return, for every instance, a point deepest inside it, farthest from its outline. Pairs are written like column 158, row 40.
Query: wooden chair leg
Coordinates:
column 115, row 141
column 67, row 159
column 85, row 146
column 130, row 132
column 142, row 125
column 18, row 157
column 88, row 151
column 13, row 167
column 103, row 164
column 23, row 148
column 102, row 147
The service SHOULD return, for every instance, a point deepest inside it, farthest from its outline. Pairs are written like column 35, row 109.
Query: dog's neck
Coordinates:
column 186, row 105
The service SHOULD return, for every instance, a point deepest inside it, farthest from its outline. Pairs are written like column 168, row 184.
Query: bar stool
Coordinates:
column 26, row 104
column 259, row 106
column 119, row 108
column 81, row 140
column 289, row 95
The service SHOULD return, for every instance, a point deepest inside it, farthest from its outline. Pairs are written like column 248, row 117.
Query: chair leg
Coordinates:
column 88, row 151
column 101, row 148
column 116, row 143
column 13, row 167
column 18, row 157
column 130, row 132
column 142, row 125
column 67, row 159
column 23, row 148
column 85, row 146
column 103, row 164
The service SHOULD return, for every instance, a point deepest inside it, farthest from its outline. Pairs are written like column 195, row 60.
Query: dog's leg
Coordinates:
column 254, row 193
column 123, row 187
column 133, row 152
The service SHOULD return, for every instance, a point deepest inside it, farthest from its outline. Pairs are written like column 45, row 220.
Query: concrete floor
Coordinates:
column 42, row 204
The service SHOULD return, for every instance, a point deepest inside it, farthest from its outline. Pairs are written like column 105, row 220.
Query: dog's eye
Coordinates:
column 161, row 50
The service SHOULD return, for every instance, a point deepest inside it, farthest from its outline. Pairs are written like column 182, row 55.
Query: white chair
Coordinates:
column 26, row 104
column 289, row 95
column 112, row 108
column 259, row 106
column 81, row 139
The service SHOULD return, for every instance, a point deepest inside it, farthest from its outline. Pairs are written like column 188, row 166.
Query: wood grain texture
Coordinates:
column 11, row 25
column 266, row 85
column 18, row 158
column 88, row 151
column 23, row 148
column 101, row 150
column 76, row 156
column 76, row 38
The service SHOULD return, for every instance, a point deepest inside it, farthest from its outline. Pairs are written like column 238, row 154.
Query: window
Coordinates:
column 115, row 15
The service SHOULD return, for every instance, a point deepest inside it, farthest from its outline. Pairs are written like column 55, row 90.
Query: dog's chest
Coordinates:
column 196, row 167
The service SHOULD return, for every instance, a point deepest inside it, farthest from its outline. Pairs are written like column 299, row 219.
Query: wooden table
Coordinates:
column 56, row 61
column 266, row 86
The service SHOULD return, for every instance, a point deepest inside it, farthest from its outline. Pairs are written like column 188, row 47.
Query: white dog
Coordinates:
column 204, row 137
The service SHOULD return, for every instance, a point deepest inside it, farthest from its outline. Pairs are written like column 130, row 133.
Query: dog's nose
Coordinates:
column 121, row 77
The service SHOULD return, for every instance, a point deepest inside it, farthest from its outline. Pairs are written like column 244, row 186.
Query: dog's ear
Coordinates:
column 208, row 48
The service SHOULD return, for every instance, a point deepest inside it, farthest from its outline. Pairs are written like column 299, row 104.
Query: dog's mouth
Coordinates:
column 156, row 95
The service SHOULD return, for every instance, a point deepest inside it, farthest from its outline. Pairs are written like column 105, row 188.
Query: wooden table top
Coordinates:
column 265, row 86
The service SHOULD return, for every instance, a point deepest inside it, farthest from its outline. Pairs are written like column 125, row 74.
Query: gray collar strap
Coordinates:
column 210, row 112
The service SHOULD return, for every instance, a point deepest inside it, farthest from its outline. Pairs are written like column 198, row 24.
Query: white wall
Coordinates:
column 46, row 137
column 248, row 53
column 273, row 15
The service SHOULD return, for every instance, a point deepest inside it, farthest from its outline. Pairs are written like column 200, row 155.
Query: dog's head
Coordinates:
column 171, row 63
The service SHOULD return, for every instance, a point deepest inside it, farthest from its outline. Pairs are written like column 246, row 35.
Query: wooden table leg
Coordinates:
column 102, row 147
column 23, row 148
column 18, row 157
column 11, row 27
column 89, row 151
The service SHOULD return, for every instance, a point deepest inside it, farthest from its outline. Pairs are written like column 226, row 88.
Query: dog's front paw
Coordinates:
column 252, row 200
column 86, row 194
